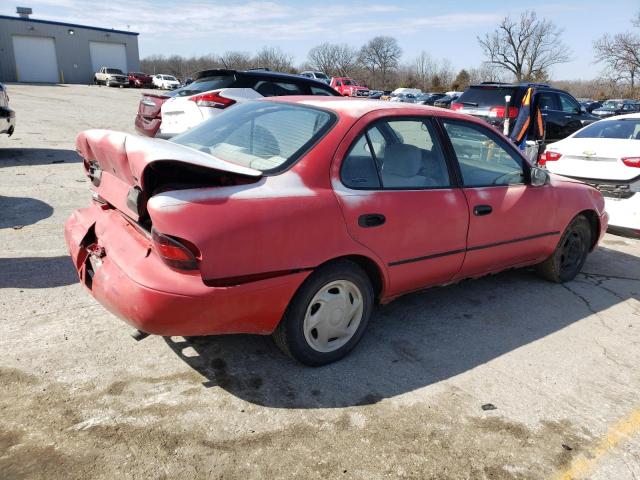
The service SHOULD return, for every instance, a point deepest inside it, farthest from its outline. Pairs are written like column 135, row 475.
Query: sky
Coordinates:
column 443, row 29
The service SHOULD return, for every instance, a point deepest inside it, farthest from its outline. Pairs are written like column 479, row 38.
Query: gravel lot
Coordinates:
column 81, row 399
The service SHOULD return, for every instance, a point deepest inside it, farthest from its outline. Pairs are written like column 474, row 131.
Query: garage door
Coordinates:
column 36, row 59
column 111, row 55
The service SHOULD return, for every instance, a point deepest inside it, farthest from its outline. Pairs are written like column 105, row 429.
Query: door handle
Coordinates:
column 371, row 220
column 480, row 210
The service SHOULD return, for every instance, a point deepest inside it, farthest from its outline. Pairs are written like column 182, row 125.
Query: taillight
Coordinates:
column 457, row 106
column 176, row 253
column 631, row 161
column 213, row 99
column 548, row 156
column 498, row 112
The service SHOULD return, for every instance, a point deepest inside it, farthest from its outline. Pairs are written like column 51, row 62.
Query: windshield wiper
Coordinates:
column 472, row 104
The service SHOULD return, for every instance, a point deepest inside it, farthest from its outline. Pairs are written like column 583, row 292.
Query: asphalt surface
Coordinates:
column 506, row 377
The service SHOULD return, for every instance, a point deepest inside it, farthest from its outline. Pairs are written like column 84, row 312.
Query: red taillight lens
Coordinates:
column 457, row 106
column 498, row 112
column 214, row 100
column 631, row 161
column 174, row 252
column 548, row 157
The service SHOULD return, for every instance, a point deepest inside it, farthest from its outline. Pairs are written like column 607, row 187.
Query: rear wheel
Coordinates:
column 327, row 316
column 107, row 83
column 570, row 253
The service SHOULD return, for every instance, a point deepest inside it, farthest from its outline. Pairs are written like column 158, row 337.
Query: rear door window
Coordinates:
column 548, row 101
column 283, row 88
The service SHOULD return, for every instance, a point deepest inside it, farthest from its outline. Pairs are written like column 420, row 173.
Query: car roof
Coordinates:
column 356, row 107
column 631, row 116
column 267, row 74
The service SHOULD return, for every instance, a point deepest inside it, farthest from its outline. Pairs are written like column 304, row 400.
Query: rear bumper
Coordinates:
column 624, row 212
column 132, row 282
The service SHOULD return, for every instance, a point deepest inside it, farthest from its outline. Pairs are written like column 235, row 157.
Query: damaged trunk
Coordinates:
column 127, row 170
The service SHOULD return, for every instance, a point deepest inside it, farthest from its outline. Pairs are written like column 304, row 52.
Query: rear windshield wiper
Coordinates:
column 472, row 104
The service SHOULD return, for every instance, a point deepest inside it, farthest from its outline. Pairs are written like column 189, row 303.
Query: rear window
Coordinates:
column 488, row 96
column 204, row 84
column 262, row 135
column 625, row 129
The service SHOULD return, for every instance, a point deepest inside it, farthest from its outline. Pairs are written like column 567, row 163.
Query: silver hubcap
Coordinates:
column 333, row 316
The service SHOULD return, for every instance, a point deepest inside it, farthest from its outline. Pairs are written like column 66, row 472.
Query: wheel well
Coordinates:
column 594, row 221
column 369, row 266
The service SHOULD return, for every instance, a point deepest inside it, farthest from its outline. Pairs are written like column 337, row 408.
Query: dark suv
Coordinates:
column 215, row 84
column 562, row 113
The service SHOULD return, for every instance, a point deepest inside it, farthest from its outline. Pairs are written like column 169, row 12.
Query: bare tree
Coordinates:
column 334, row 59
column 620, row 54
column 236, row 60
column 423, row 69
column 527, row 47
column 275, row 59
column 381, row 55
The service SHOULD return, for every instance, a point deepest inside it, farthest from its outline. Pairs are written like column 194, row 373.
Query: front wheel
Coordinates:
column 570, row 253
column 327, row 316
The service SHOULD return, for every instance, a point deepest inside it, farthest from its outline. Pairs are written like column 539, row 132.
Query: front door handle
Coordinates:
column 480, row 210
column 371, row 220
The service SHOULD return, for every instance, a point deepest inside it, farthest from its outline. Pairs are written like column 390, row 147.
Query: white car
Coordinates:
column 212, row 91
column 7, row 116
column 605, row 154
column 166, row 82
column 322, row 77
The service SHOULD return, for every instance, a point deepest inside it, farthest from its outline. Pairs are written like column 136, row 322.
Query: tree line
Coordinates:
column 518, row 49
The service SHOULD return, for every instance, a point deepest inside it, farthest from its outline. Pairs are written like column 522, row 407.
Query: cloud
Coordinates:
column 262, row 20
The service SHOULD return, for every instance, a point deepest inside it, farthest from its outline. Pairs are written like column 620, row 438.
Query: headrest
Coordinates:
column 401, row 159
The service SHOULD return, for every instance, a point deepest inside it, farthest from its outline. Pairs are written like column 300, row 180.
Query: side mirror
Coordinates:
column 539, row 177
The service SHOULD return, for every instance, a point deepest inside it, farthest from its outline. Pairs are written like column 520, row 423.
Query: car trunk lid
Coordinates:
column 598, row 159
column 151, row 104
column 126, row 170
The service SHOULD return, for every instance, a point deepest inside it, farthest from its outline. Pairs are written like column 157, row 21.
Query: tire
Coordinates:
column 316, row 329
column 107, row 83
column 570, row 254
column 95, row 81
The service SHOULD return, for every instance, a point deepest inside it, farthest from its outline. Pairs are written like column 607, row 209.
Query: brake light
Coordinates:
column 631, row 161
column 548, row 156
column 457, row 106
column 213, row 99
column 498, row 112
column 176, row 253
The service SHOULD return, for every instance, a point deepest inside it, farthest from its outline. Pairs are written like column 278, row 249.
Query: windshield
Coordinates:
column 321, row 75
column 348, row 81
column 204, row 84
column 169, row 77
column 623, row 129
column 260, row 135
column 611, row 105
column 114, row 70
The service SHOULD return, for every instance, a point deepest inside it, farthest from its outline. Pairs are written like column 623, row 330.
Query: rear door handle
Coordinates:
column 371, row 220
column 480, row 210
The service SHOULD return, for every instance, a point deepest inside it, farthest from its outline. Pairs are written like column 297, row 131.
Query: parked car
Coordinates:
column 413, row 91
column 445, row 102
column 111, row 77
column 165, row 82
column 140, row 80
column 211, row 92
column 317, row 76
column 376, row 94
column 611, row 108
column 561, row 112
column 7, row 116
column 404, row 98
column 202, row 235
column 589, row 105
column 348, row 87
column 605, row 154
column 187, row 81
column 429, row 98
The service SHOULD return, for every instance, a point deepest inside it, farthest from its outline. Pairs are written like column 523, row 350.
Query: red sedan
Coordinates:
column 293, row 216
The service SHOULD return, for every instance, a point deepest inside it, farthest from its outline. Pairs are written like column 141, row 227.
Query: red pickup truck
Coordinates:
column 349, row 87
